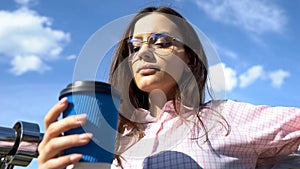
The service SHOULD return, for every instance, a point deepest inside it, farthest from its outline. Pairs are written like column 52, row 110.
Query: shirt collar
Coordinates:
column 141, row 115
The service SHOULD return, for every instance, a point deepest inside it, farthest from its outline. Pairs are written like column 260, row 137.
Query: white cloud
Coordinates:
column 25, row 33
column 25, row 2
column 22, row 64
column 230, row 78
column 71, row 57
column 256, row 16
column 249, row 77
column 222, row 78
column 225, row 79
column 277, row 77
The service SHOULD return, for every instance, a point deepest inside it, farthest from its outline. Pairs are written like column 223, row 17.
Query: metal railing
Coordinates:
column 19, row 145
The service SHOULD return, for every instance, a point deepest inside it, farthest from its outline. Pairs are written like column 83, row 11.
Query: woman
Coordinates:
column 164, row 121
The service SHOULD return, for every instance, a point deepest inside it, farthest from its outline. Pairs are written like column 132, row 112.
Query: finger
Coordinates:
column 56, row 128
column 56, row 145
column 55, row 111
column 60, row 162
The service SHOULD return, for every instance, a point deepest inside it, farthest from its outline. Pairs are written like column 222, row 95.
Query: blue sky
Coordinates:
column 40, row 41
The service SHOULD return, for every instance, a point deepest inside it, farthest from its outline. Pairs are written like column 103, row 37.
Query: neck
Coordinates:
column 157, row 99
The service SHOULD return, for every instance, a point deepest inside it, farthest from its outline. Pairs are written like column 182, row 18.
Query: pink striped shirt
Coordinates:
column 255, row 134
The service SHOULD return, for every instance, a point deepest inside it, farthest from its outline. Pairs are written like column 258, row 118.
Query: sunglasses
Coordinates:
column 159, row 43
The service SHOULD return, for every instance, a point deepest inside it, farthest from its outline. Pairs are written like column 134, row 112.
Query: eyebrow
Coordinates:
column 141, row 35
column 149, row 33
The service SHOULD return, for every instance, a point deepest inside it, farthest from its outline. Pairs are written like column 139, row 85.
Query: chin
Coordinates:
column 146, row 88
column 152, row 82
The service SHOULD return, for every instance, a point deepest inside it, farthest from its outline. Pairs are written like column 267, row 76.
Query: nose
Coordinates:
column 145, row 52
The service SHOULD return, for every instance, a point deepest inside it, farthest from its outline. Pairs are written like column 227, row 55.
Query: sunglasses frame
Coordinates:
column 133, row 53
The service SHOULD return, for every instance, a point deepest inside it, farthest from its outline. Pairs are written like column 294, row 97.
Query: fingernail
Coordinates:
column 71, row 166
column 86, row 136
column 75, row 157
column 63, row 100
column 81, row 118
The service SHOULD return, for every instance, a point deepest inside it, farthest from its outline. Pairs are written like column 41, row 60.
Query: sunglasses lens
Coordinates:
column 160, row 43
column 157, row 37
column 133, row 45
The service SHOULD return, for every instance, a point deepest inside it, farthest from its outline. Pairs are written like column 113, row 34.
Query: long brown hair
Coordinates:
column 198, row 67
column 191, row 87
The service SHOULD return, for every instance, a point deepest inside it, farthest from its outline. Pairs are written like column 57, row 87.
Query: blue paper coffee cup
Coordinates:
column 100, row 101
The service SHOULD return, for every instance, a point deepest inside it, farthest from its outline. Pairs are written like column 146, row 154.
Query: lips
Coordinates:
column 147, row 69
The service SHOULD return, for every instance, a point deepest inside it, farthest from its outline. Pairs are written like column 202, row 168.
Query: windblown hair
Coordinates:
column 191, row 86
column 190, row 82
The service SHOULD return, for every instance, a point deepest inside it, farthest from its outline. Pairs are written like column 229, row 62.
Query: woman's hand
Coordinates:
column 53, row 143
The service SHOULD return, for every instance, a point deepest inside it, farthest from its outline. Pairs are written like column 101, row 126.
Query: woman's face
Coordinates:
column 151, row 69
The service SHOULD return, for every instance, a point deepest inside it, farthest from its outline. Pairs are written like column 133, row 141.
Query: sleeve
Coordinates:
column 274, row 131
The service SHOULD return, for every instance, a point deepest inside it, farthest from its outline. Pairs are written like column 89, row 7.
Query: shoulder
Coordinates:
column 236, row 112
column 234, row 106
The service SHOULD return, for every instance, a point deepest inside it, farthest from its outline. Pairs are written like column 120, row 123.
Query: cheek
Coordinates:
column 134, row 68
column 175, row 71
column 172, row 69
column 175, row 68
